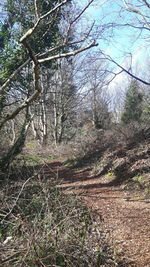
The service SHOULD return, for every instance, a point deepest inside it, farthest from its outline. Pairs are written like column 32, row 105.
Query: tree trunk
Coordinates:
column 95, row 117
column 13, row 132
column 44, row 124
column 18, row 145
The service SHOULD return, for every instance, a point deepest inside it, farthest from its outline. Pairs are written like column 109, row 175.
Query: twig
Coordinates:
column 9, row 258
column 22, row 188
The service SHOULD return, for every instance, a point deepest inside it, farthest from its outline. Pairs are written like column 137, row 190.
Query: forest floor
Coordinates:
column 124, row 213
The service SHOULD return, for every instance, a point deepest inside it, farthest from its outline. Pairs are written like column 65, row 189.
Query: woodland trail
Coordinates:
column 125, row 217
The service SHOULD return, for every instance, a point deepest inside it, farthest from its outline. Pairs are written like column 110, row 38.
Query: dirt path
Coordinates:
column 126, row 218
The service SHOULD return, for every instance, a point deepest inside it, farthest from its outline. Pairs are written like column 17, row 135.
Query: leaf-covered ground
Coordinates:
column 125, row 212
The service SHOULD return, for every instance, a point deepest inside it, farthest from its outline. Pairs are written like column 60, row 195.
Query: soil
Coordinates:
column 125, row 214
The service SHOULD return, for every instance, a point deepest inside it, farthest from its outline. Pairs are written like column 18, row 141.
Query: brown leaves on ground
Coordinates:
column 125, row 214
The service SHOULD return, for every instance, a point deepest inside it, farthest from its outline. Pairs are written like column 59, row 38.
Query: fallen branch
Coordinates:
column 22, row 188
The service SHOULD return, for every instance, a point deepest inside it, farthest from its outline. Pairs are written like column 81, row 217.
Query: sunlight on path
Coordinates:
column 125, row 218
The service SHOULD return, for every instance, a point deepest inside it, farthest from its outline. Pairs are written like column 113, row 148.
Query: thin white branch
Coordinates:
column 51, row 50
column 36, row 9
column 30, row 31
column 72, row 53
column 33, row 57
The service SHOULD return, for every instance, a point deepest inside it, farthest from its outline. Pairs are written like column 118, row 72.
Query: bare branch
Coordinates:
column 133, row 9
column 31, row 31
column 18, row 197
column 125, row 70
column 8, row 81
column 28, row 47
column 26, row 103
column 36, row 9
column 72, row 53
column 147, row 4
column 52, row 50
column 36, row 61
column 83, row 10
column 77, row 17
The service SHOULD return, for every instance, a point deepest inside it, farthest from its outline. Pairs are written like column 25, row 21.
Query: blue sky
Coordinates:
column 122, row 40
column 126, row 45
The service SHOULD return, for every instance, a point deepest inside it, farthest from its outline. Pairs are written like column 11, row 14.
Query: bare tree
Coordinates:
column 38, row 59
column 129, row 18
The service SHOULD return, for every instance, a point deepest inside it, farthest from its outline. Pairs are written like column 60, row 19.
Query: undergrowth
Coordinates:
column 121, row 152
column 42, row 226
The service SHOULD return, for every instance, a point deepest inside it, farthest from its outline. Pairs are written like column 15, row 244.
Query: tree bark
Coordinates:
column 18, row 145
